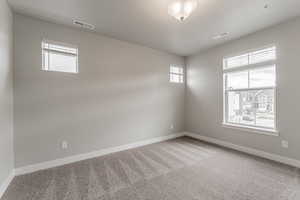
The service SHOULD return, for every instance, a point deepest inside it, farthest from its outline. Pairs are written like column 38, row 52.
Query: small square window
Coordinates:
column 176, row 74
column 59, row 57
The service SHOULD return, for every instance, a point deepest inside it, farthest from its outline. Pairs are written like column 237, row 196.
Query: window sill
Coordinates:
column 262, row 131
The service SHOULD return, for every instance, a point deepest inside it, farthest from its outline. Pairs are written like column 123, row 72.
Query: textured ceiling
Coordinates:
column 147, row 22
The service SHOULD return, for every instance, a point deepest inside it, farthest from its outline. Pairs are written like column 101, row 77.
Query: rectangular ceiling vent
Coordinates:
column 220, row 36
column 83, row 25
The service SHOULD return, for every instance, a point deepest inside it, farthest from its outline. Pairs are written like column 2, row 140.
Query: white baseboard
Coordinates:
column 263, row 154
column 6, row 183
column 80, row 157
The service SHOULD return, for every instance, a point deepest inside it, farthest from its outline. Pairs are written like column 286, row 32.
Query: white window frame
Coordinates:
column 180, row 74
column 46, row 68
column 250, row 128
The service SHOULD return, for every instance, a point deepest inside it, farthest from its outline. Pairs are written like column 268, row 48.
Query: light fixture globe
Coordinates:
column 182, row 9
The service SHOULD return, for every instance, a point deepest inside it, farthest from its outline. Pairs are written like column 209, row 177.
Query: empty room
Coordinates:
column 149, row 100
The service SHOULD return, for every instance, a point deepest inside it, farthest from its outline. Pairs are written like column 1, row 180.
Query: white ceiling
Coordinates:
column 147, row 22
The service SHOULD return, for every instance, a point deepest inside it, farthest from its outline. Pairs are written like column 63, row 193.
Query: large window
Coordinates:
column 59, row 57
column 250, row 89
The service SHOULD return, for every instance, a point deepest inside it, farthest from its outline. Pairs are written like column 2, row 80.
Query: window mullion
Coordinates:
column 48, row 67
column 250, row 89
column 226, row 107
column 249, row 58
column 60, row 52
column 248, row 79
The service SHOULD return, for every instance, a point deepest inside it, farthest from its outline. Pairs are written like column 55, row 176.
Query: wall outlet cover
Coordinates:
column 285, row 144
column 64, row 145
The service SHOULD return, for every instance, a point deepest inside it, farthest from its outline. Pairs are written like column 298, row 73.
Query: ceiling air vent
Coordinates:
column 220, row 36
column 83, row 25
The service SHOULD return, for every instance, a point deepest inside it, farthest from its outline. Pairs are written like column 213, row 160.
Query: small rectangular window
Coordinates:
column 250, row 89
column 59, row 57
column 176, row 74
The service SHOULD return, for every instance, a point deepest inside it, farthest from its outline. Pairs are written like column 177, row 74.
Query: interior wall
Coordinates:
column 204, row 95
column 6, row 92
column 121, row 95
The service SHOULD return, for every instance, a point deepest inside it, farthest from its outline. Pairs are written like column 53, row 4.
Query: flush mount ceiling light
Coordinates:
column 182, row 9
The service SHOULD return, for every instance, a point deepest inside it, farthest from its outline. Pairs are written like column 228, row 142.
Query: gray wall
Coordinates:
column 6, row 92
column 204, row 99
column 121, row 94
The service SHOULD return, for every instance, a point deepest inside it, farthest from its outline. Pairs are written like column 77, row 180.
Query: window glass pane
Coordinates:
column 176, row 70
column 236, row 61
column 176, row 78
column 265, row 111
column 57, row 47
column 263, row 77
column 181, row 78
column 237, row 80
column 45, row 60
column 250, row 58
column 263, row 55
column 254, row 108
column 240, row 108
column 62, row 62
column 63, row 49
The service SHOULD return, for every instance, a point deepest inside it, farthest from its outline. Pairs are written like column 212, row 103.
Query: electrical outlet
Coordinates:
column 64, row 145
column 284, row 144
column 171, row 127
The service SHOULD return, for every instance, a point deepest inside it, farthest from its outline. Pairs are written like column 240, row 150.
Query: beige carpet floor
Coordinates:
column 180, row 169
